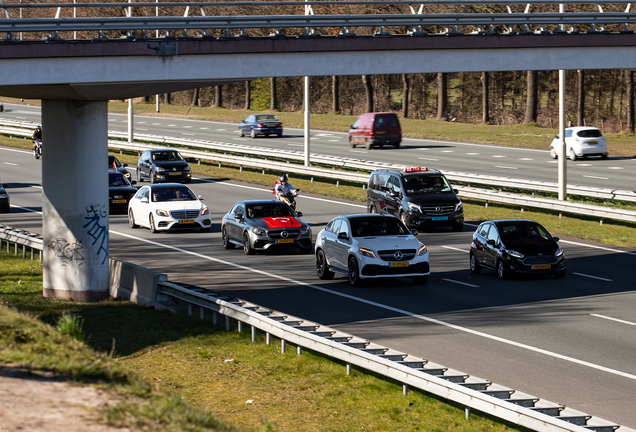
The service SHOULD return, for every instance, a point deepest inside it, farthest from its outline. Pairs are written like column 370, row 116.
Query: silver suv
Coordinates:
column 366, row 246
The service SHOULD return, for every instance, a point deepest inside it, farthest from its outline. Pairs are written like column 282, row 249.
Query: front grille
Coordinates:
column 377, row 270
column 543, row 259
column 276, row 234
column 389, row 255
column 443, row 210
column 184, row 214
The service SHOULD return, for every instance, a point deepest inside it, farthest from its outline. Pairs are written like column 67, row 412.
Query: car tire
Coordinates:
column 241, row 134
column 571, row 155
column 368, row 144
column 153, row 228
column 420, row 280
column 253, row 133
column 280, row 135
column 153, row 177
column 559, row 275
column 351, row 144
column 501, row 270
column 396, row 145
column 247, row 247
column 227, row 244
column 458, row 226
column 187, row 181
column 553, row 153
column 604, row 156
column 131, row 219
column 353, row 275
column 474, row 265
column 322, row 268
column 372, row 209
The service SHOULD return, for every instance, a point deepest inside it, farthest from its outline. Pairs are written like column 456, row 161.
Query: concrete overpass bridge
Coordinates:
column 76, row 78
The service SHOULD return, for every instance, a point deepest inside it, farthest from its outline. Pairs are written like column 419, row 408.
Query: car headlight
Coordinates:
column 259, row 231
column 415, row 207
column 367, row 253
column 205, row 211
column 305, row 230
column 515, row 254
column 160, row 169
column 118, row 197
column 459, row 207
column 421, row 251
column 162, row 213
column 558, row 252
column 127, row 175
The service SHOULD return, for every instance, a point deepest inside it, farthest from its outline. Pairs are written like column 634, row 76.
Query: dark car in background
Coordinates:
column 265, row 225
column 5, row 200
column 516, row 246
column 376, row 129
column 114, row 164
column 163, row 165
column 261, row 124
column 120, row 191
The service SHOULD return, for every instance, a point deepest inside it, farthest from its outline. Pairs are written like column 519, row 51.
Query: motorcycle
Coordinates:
column 290, row 198
column 37, row 149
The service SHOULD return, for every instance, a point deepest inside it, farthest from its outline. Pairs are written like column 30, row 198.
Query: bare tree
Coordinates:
column 485, row 105
column 368, row 91
column 218, row 96
column 405, row 95
column 531, row 98
column 580, row 100
column 272, row 97
column 248, row 95
column 335, row 94
column 629, row 78
column 195, row 98
column 442, row 96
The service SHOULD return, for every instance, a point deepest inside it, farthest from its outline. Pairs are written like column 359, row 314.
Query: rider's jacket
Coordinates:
column 282, row 190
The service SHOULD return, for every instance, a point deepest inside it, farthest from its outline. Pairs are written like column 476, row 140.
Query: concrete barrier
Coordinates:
column 137, row 284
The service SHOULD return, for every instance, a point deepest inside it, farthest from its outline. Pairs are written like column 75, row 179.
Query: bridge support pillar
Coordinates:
column 75, row 199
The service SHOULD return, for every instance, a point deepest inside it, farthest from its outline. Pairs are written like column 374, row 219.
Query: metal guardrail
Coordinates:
column 17, row 128
column 472, row 392
column 17, row 237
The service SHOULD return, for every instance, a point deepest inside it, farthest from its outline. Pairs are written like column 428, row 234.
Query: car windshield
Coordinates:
column 523, row 232
column 416, row 185
column 117, row 180
column 377, row 226
column 166, row 156
column 172, row 194
column 269, row 210
column 266, row 117
column 113, row 162
column 589, row 133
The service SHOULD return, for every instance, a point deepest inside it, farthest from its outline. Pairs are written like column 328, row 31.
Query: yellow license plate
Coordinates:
column 379, row 132
column 285, row 241
column 119, row 201
column 541, row 267
column 593, row 142
column 400, row 264
column 176, row 173
column 186, row 221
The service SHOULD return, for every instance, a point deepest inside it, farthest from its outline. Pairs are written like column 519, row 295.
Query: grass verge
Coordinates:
column 188, row 375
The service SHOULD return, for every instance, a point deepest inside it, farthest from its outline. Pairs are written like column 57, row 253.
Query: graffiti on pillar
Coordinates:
column 68, row 252
column 97, row 228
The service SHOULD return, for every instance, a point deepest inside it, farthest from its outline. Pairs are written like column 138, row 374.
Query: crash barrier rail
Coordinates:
column 474, row 22
column 26, row 239
column 150, row 288
column 17, row 128
column 472, row 392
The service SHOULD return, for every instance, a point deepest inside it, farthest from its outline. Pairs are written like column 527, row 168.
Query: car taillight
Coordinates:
column 261, row 125
column 279, row 125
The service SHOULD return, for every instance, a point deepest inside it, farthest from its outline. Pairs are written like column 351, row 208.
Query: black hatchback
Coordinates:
column 163, row 165
column 516, row 246
column 120, row 191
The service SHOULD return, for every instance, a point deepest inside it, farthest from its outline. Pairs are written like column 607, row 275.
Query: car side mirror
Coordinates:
column 343, row 236
column 190, row 160
column 239, row 217
column 133, row 182
column 144, row 200
column 414, row 231
column 556, row 239
column 125, row 165
column 300, row 214
column 491, row 242
column 200, row 197
column 394, row 194
column 455, row 191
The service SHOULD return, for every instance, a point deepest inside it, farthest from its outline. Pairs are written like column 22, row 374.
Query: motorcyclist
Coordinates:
column 37, row 142
column 283, row 188
column 37, row 134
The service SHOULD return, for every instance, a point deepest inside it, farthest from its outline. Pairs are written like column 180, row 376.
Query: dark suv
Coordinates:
column 420, row 196
column 163, row 165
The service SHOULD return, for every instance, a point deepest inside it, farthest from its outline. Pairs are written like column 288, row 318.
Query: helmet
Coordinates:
column 38, row 127
column 283, row 178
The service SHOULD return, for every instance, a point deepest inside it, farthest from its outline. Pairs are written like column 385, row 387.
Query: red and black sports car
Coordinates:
column 265, row 224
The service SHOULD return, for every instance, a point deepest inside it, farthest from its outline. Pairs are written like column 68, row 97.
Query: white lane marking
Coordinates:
column 140, row 122
column 431, row 159
column 335, row 140
column 598, row 247
column 172, row 125
column 423, row 149
column 389, row 308
column 506, row 167
column 583, row 165
column 187, row 127
column 9, row 163
column 614, row 319
column 141, row 128
column 186, row 133
column 156, row 124
column 207, row 128
column 615, row 168
column 220, row 130
column 460, row 283
column 448, row 151
column 456, row 249
column 526, row 159
column 472, row 154
column 357, row 151
column 26, row 208
column 295, row 145
column 595, row 177
column 498, row 156
column 593, row 277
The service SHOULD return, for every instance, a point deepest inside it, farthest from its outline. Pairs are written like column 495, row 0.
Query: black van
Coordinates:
column 419, row 196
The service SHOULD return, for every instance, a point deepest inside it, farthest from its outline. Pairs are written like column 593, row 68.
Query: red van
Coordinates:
column 376, row 129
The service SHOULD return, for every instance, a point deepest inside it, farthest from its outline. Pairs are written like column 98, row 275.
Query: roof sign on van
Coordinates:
column 415, row 169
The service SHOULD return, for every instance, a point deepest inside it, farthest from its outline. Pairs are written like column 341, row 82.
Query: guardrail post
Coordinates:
column 23, row 252
column 299, row 350
column 40, row 255
column 348, row 368
column 227, row 323
column 268, row 338
column 240, row 326
column 253, row 334
column 282, row 346
column 189, row 308
column 467, row 413
column 201, row 312
column 31, row 254
column 405, row 389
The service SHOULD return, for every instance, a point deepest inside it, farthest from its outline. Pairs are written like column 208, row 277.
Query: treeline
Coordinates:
column 603, row 98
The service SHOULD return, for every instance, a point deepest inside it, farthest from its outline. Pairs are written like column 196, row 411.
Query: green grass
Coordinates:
column 190, row 376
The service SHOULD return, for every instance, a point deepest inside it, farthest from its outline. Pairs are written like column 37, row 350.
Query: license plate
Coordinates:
column 176, row 173
column 272, row 125
column 285, row 241
column 439, row 218
column 593, row 142
column 119, row 201
column 186, row 221
column 541, row 267
column 400, row 264
column 379, row 132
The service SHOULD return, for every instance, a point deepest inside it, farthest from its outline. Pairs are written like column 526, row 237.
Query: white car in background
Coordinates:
column 580, row 142
column 370, row 246
column 168, row 206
